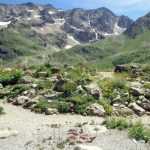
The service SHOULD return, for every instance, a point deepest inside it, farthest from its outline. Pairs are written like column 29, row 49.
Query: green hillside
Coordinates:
column 109, row 52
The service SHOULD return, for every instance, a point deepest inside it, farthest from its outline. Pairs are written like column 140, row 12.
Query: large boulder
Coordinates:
column 136, row 91
column 137, row 109
column 121, row 68
column 96, row 110
column 59, row 85
column 86, row 147
column 94, row 90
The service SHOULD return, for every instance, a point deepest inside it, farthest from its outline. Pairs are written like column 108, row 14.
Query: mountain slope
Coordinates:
column 139, row 26
column 30, row 29
column 83, row 25
column 109, row 52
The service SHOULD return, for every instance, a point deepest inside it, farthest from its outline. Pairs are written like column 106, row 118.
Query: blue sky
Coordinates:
column 131, row 8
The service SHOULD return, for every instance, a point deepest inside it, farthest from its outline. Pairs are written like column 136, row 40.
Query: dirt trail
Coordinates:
column 33, row 127
column 33, row 130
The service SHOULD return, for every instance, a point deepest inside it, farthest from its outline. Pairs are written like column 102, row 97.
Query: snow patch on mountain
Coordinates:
column 5, row 23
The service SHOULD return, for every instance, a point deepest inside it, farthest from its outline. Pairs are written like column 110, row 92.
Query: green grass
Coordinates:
column 117, row 123
column 135, row 130
column 139, row 132
column 9, row 76
column 109, row 52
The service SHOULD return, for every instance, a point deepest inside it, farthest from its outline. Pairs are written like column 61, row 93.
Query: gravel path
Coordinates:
column 34, row 131
column 33, row 126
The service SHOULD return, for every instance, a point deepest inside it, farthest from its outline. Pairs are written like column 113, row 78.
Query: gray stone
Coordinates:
column 1, row 86
column 94, row 90
column 51, row 111
column 147, row 93
column 26, row 80
column 96, row 109
column 21, row 100
column 43, row 74
column 136, row 91
column 121, row 68
column 137, row 109
column 122, row 111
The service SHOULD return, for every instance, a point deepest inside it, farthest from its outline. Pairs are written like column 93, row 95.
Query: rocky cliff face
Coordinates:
column 82, row 25
column 139, row 26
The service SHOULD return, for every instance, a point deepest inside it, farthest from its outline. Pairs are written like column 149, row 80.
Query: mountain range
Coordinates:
column 43, row 30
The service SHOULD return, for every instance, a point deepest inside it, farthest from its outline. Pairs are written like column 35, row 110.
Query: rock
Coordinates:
column 147, row 93
column 80, row 89
column 51, row 111
column 5, row 133
column 59, row 85
column 21, row 100
column 136, row 91
column 1, row 86
column 4, row 92
column 136, row 84
column 94, row 90
column 30, row 93
column 53, row 96
column 122, row 111
column 86, row 147
column 34, row 86
column 121, row 68
column 53, row 79
column 55, row 70
column 145, row 104
column 96, row 109
column 137, row 109
column 42, row 74
column 29, row 104
column 26, row 80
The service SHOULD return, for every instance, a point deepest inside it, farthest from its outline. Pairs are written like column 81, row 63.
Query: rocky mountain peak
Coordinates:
column 139, row 26
column 83, row 25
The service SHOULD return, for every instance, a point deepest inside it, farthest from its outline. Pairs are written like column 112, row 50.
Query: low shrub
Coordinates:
column 147, row 85
column 139, row 132
column 41, row 106
column 117, row 123
column 43, row 68
column 107, row 106
column 79, row 74
column 17, row 89
column 78, row 103
column 69, row 87
column 9, row 76
column 63, row 107
column 44, row 84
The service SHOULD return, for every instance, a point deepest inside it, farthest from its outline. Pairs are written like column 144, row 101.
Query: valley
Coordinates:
column 76, row 79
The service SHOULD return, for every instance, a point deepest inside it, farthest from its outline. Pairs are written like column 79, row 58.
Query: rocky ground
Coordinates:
column 21, row 129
